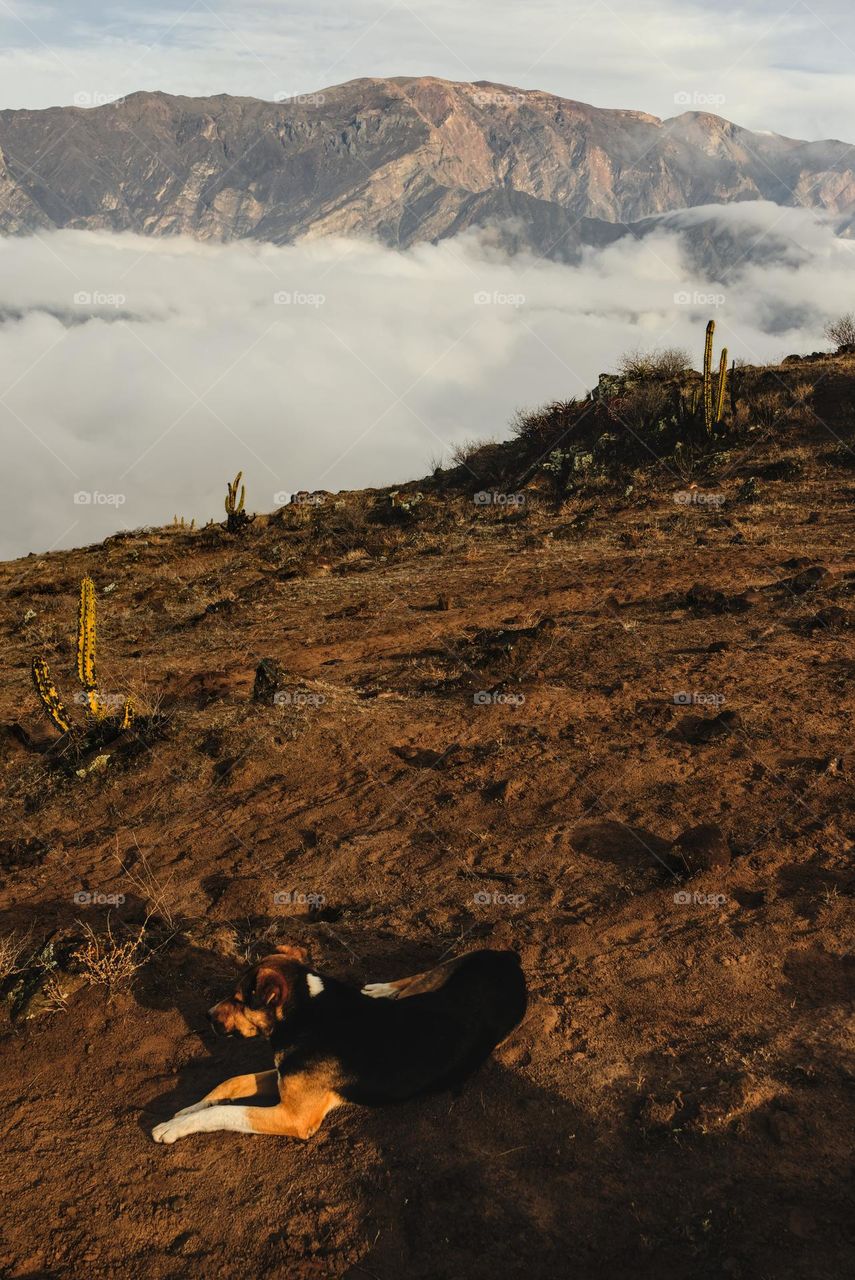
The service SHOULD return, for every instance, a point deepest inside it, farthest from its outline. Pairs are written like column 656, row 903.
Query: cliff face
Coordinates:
column 402, row 159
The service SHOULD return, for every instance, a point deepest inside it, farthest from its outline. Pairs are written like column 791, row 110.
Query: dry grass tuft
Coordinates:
column 13, row 950
column 104, row 960
column 667, row 362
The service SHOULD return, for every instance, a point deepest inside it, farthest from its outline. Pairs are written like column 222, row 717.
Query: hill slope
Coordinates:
column 497, row 718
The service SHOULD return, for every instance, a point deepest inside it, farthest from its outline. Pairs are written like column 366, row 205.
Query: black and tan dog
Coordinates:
column 334, row 1043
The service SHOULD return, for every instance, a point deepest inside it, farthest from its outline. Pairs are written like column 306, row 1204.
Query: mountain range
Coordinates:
column 403, row 160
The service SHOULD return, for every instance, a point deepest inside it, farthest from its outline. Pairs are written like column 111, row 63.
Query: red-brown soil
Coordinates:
column 675, row 1102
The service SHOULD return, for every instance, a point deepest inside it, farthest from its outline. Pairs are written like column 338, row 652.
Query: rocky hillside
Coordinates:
column 602, row 720
column 402, row 159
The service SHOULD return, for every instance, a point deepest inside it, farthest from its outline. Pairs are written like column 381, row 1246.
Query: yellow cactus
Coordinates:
column 86, row 648
column 49, row 696
column 234, row 505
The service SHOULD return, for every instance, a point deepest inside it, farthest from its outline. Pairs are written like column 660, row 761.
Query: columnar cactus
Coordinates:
column 713, row 406
column 86, row 648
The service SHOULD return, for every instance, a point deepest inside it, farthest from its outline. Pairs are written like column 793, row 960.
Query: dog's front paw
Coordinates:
column 171, row 1130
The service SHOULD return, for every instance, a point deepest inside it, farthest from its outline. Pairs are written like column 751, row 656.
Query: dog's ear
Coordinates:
column 300, row 954
column 271, row 988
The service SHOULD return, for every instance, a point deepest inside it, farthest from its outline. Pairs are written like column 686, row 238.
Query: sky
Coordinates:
column 138, row 374
column 767, row 64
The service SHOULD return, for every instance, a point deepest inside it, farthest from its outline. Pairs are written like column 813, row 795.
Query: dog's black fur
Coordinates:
column 380, row 1050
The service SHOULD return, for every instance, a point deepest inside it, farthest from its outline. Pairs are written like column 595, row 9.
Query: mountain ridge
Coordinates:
column 399, row 159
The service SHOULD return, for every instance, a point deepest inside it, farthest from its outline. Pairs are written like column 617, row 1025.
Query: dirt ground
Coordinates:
column 492, row 729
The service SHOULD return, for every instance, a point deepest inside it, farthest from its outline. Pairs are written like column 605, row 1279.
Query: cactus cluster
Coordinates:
column 236, row 517
column 96, row 710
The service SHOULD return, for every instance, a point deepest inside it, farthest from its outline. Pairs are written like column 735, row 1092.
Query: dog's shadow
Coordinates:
column 473, row 1184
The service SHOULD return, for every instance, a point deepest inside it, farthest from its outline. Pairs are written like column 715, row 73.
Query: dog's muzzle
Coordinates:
column 216, row 1023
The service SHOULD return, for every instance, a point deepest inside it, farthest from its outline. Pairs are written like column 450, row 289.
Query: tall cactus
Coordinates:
column 234, row 505
column 86, row 648
column 713, row 405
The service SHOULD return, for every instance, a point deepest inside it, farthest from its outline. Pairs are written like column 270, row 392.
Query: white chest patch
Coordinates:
column 314, row 983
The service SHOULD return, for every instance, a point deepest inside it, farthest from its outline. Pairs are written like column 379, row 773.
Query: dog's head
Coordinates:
column 265, row 994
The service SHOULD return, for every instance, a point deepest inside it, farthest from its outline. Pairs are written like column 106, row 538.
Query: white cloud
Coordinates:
column 767, row 65
column 181, row 369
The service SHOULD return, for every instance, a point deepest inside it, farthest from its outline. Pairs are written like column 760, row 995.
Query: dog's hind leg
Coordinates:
column 415, row 985
column 263, row 1084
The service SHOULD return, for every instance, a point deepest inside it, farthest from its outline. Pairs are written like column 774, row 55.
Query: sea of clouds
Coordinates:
column 138, row 374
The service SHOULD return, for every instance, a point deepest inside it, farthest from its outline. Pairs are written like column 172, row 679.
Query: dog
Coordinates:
column 334, row 1043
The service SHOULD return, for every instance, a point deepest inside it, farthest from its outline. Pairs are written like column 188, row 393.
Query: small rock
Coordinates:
column 784, row 1128
column 701, row 848
column 503, row 791
column 657, row 1114
column 807, row 579
column 516, row 1055
column 834, row 618
column 698, row 730
column 748, row 491
column 700, row 596
column 98, row 765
